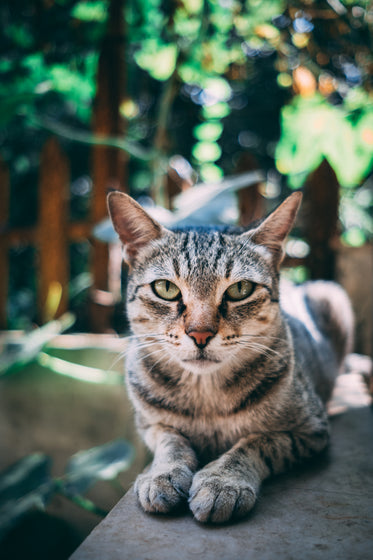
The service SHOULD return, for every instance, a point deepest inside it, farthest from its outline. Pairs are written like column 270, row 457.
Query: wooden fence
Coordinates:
column 54, row 232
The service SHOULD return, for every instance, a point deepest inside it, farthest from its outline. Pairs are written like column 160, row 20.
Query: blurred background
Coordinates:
column 205, row 111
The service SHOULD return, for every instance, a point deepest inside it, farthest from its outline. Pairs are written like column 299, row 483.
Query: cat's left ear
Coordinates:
column 273, row 231
column 133, row 225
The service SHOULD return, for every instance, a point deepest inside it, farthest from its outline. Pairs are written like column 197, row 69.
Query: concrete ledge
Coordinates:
column 324, row 510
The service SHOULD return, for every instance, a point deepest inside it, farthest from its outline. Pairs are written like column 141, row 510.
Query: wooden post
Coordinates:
column 320, row 215
column 109, row 164
column 250, row 201
column 4, row 257
column 53, row 274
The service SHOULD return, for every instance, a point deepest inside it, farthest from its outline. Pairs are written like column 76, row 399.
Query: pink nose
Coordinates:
column 202, row 338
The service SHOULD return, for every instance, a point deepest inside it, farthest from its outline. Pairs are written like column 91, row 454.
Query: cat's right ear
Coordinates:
column 273, row 231
column 133, row 225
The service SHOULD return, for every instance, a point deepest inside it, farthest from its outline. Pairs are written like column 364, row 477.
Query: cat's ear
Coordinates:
column 133, row 225
column 273, row 231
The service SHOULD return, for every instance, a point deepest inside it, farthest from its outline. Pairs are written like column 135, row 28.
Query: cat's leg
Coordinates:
column 166, row 483
column 228, row 487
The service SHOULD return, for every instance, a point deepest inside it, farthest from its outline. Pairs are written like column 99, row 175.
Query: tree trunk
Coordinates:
column 250, row 200
column 53, row 261
column 320, row 215
column 109, row 164
column 4, row 258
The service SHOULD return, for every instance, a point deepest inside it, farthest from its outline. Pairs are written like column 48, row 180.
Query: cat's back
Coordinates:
column 320, row 318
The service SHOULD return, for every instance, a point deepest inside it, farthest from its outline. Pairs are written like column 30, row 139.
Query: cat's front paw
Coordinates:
column 161, row 492
column 218, row 497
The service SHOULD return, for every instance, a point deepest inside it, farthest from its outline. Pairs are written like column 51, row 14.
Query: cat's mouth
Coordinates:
column 201, row 364
column 201, row 359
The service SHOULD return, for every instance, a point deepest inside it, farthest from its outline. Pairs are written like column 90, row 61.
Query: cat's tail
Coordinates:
column 332, row 312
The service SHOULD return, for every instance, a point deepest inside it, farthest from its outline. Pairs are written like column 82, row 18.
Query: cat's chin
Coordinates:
column 201, row 365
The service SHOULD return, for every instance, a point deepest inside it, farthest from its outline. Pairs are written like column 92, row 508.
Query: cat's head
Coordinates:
column 203, row 296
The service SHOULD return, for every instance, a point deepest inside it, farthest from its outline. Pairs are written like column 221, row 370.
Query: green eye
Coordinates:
column 240, row 290
column 166, row 290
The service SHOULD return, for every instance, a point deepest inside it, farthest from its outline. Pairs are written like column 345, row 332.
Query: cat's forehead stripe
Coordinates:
column 204, row 258
column 203, row 249
column 175, row 264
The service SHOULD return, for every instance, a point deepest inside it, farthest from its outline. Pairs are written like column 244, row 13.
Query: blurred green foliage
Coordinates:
column 206, row 79
column 230, row 64
column 49, row 52
column 313, row 129
column 28, row 484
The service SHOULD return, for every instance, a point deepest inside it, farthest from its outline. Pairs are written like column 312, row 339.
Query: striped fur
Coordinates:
column 223, row 415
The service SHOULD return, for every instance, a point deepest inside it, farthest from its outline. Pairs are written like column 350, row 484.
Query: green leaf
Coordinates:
column 296, row 274
column 12, row 105
column 354, row 237
column 209, row 131
column 190, row 72
column 27, row 348
column 216, row 56
column 222, row 20
column 85, row 503
column 218, row 88
column 66, row 80
column 210, row 173
column 206, row 151
column 20, row 35
column 78, row 371
column 186, row 27
column 193, row 6
column 24, row 486
column 312, row 129
column 158, row 60
column 104, row 462
column 80, row 284
column 23, row 476
column 216, row 111
column 94, row 10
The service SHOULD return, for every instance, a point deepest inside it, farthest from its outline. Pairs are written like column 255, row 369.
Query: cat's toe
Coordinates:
column 161, row 493
column 218, row 501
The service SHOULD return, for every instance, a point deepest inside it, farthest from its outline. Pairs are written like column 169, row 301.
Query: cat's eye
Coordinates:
column 166, row 289
column 240, row 290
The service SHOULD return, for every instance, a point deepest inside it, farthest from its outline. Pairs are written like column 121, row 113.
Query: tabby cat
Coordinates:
column 228, row 374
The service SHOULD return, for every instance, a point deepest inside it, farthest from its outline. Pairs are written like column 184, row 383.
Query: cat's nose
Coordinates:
column 201, row 338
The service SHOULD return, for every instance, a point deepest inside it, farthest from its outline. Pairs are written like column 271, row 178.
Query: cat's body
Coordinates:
column 224, row 367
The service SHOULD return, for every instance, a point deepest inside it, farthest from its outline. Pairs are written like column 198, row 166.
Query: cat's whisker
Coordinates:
column 260, row 348
column 118, row 359
column 261, row 336
column 249, row 338
column 248, row 343
column 131, row 338
column 150, row 354
column 145, row 335
column 146, row 344
column 123, row 355
column 267, row 351
column 161, row 359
